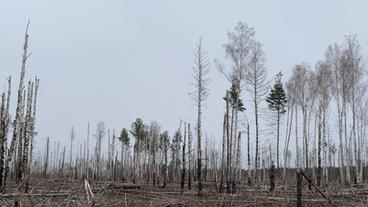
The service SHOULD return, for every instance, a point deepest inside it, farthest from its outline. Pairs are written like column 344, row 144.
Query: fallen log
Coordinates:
column 301, row 173
column 10, row 195
column 124, row 186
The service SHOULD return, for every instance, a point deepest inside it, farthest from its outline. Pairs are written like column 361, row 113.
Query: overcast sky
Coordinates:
column 114, row 61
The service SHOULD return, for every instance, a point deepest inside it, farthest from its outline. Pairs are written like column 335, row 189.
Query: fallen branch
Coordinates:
column 317, row 189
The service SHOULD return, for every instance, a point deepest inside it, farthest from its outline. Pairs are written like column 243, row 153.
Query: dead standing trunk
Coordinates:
column 16, row 123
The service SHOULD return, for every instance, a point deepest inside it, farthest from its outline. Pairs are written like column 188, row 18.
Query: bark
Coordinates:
column 189, row 158
column 223, row 162
column 183, row 159
column 165, row 165
column 46, row 162
column 319, row 165
column 228, row 153
column 248, row 151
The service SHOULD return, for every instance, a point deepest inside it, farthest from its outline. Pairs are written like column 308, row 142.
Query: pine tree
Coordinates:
column 164, row 143
column 124, row 139
column 139, row 133
column 277, row 102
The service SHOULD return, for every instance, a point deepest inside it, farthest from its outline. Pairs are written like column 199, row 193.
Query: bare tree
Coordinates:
column 189, row 157
column 100, row 134
column 305, row 93
column 352, row 64
column 17, row 119
column 183, row 158
column 46, row 162
column 257, row 85
column 324, row 94
column 72, row 137
column 332, row 56
column 201, row 81
column 4, row 128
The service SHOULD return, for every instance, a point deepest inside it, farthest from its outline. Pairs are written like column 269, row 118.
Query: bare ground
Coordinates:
column 59, row 192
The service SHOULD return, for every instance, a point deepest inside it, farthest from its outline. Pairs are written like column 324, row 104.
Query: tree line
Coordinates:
column 309, row 106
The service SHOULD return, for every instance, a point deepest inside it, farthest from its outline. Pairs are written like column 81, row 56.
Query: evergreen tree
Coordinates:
column 139, row 133
column 164, row 143
column 125, row 141
column 277, row 103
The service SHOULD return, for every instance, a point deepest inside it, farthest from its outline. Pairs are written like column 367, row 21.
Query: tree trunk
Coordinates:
column 189, row 158
column 183, row 159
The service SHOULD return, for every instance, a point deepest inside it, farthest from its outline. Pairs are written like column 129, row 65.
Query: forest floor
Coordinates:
column 59, row 192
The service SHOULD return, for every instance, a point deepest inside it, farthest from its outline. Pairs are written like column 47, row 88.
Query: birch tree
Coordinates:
column 325, row 92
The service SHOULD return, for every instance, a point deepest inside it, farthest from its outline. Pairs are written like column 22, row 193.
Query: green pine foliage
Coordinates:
column 277, row 98
column 124, row 137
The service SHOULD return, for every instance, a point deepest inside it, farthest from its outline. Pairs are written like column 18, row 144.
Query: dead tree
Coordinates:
column 100, row 134
column 32, row 133
column 223, row 155
column 189, row 157
column 237, row 174
column 248, row 156
column 183, row 159
column 87, row 159
column 4, row 128
column 228, row 151
column 46, row 158
column 17, row 119
column 201, row 69
column 72, row 137
column 165, row 142
column 257, row 85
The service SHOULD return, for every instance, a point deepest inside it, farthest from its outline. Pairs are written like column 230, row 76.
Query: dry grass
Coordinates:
column 59, row 192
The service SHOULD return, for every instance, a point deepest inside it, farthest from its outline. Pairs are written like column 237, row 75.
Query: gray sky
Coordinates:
column 117, row 60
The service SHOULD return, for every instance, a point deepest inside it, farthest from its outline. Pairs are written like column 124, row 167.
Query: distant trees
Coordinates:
column 158, row 157
column 277, row 102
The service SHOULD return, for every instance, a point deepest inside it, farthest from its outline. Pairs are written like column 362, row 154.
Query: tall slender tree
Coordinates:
column 165, row 142
column 277, row 102
column 139, row 133
column 201, row 81
column 257, row 85
column 124, row 139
